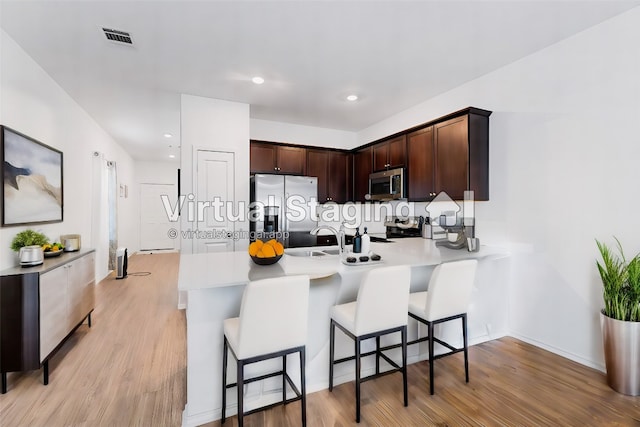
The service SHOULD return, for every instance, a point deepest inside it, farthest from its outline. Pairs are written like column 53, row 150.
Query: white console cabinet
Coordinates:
column 40, row 307
column 66, row 298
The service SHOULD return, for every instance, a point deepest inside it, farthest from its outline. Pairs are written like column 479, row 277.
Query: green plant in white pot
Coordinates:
column 620, row 318
column 28, row 237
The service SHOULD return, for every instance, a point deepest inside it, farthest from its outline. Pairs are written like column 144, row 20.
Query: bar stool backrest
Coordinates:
column 273, row 315
column 382, row 301
column 450, row 289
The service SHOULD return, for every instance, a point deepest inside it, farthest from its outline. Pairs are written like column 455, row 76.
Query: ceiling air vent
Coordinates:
column 117, row 36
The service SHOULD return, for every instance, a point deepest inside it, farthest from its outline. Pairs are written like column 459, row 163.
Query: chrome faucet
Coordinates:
column 340, row 235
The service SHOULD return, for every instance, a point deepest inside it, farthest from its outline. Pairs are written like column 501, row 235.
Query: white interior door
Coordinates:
column 154, row 221
column 215, row 170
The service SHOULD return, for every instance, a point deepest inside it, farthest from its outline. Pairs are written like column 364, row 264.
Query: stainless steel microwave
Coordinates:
column 387, row 185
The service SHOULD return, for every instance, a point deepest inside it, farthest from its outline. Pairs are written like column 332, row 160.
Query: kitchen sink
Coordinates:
column 306, row 253
column 331, row 251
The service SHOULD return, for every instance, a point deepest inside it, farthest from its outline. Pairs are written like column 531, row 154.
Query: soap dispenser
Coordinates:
column 366, row 242
column 357, row 242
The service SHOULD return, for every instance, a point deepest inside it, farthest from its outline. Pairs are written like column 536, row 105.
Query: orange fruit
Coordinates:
column 260, row 254
column 268, row 251
column 278, row 248
column 271, row 242
column 254, row 247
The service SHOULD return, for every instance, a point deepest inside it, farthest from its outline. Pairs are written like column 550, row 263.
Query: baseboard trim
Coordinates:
column 567, row 355
column 199, row 419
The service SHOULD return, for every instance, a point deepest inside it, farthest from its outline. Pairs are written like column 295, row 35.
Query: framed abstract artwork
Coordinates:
column 31, row 180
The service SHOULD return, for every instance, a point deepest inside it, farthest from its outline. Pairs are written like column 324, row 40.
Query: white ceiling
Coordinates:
column 392, row 54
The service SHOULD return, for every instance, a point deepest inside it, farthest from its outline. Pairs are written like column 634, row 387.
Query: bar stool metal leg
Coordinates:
column 431, row 356
column 377, row 355
column 303, row 386
column 466, row 347
column 224, row 380
column 240, row 388
column 357, row 380
column 404, row 366
column 332, row 337
column 284, row 378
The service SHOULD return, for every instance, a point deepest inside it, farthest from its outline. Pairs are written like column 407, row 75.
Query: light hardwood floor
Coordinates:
column 129, row 370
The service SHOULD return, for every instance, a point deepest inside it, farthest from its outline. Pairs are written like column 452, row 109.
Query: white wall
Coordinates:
column 32, row 103
column 217, row 125
column 304, row 135
column 564, row 171
column 147, row 172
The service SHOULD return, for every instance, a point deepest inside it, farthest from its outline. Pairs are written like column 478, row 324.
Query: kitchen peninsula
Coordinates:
column 214, row 284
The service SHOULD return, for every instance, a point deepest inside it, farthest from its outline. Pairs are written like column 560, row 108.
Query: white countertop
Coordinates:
column 202, row 271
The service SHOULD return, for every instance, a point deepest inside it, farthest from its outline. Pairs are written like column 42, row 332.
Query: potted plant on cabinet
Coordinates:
column 28, row 244
column 28, row 237
column 620, row 318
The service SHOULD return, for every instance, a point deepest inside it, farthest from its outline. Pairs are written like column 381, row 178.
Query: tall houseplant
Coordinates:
column 620, row 318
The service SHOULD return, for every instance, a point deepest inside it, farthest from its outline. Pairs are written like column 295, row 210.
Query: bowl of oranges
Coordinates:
column 52, row 249
column 266, row 253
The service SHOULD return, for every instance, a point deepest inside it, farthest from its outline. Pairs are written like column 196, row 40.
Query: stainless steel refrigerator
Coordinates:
column 285, row 208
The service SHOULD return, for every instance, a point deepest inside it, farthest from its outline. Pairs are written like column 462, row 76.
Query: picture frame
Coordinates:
column 32, row 184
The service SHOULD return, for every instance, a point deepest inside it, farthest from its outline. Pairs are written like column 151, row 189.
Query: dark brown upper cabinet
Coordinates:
column 332, row 169
column 362, row 167
column 420, row 157
column 276, row 158
column 451, row 151
column 389, row 154
column 451, row 156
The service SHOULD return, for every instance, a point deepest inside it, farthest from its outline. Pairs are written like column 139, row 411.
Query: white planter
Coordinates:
column 622, row 354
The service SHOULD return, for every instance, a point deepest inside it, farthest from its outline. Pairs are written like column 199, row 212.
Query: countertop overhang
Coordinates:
column 221, row 269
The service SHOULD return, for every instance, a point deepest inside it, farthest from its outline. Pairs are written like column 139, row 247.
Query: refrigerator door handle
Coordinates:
column 285, row 213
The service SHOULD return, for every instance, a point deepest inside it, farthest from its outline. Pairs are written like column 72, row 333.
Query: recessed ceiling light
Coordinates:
column 257, row 80
column 172, row 156
column 352, row 98
column 167, row 135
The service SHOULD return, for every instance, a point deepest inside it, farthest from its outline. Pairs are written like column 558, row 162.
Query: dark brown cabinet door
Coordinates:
column 291, row 160
column 451, row 148
column 268, row 157
column 397, row 151
column 331, row 168
column 380, row 156
column 263, row 158
column 389, row 154
column 361, row 171
column 420, row 165
column 318, row 165
column 338, row 177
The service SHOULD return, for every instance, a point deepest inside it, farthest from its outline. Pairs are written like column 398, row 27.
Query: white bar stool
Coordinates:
column 446, row 299
column 272, row 323
column 380, row 309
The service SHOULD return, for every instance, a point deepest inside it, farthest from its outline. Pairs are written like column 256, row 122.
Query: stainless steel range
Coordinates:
column 404, row 227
